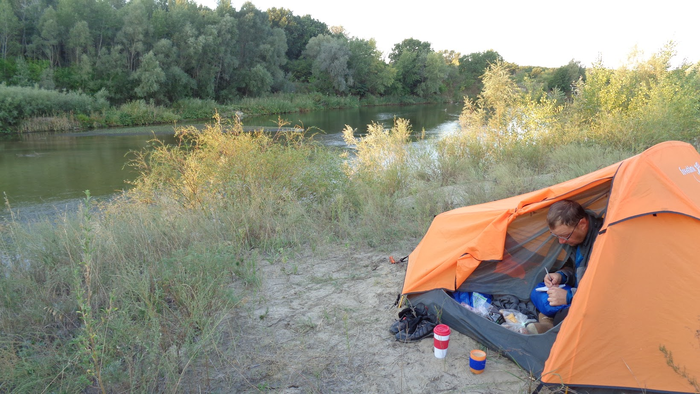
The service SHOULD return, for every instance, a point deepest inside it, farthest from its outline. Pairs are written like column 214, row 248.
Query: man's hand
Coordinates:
column 553, row 279
column 557, row 296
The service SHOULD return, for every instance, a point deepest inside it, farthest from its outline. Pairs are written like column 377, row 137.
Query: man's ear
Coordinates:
column 584, row 220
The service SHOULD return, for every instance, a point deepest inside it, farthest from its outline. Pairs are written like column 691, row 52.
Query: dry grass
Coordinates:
column 49, row 123
column 247, row 262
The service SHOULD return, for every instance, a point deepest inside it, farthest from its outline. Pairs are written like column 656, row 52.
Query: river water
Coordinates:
column 45, row 173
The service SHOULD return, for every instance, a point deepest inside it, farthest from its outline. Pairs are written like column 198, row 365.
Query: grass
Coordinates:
column 135, row 295
column 130, row 294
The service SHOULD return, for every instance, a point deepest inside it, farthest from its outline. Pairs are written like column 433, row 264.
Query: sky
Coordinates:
column 525, row 32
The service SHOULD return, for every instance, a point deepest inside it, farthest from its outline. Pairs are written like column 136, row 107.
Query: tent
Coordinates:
column 634, row 324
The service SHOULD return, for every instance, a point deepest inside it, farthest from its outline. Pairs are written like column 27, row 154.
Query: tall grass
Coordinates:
column 135, row 113
column 288, row 103
column 18, row 103
column 119, row 296
column 128, row 296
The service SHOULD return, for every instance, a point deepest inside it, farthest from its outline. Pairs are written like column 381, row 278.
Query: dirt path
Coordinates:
column 321, row 326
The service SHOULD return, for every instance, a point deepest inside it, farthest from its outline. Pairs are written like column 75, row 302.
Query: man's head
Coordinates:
column 568, row 222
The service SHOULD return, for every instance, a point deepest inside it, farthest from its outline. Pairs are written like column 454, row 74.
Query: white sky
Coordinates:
column 546, row 33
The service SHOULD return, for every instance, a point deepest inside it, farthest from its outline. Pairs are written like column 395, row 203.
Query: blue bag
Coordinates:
column 539, row 299
column 463, row 297
column 473, row 299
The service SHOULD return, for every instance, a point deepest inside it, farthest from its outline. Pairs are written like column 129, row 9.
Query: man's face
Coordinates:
column 571, row 235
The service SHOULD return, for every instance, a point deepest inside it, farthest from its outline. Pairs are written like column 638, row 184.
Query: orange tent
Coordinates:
column 635, row 320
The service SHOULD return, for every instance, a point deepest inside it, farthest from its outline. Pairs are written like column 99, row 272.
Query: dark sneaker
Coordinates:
column 399, row 325
column 408, row 319
column 423, row 330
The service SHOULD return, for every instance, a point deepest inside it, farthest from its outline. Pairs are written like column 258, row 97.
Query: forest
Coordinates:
column 83, row 57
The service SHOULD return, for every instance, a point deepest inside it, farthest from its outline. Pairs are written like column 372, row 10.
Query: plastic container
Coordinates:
column 441, row 335
column 477, row 361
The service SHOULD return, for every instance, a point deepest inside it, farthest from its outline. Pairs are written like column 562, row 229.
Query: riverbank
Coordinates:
column 249, row 262
column 93, row 113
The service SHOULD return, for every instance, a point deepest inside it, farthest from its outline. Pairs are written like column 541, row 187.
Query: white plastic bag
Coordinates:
column 515, row 321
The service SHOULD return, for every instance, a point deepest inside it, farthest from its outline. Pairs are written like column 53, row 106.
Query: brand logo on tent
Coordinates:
column 694, row 169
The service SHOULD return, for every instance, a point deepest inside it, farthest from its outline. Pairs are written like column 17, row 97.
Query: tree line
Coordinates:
column 163, row 51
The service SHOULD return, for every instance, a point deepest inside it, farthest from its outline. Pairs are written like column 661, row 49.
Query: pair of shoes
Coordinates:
column 544, row 324
column 406, row 317
column 423, row 329
column 399, row 325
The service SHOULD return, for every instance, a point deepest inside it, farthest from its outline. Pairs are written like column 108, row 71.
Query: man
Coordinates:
column 577, row 229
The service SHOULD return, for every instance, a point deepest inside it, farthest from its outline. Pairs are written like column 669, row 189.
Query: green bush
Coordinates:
column 18, row 103
column 138, row 112
column 192, row 108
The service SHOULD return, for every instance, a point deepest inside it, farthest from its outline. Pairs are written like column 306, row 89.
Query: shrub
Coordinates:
column 18, row 103
column 192, row 108
column 138, row 113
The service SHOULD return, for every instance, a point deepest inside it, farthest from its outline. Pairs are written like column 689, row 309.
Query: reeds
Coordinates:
column 130, row 295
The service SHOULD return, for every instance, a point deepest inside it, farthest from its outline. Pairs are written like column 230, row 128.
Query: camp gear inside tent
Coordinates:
column 634, row 323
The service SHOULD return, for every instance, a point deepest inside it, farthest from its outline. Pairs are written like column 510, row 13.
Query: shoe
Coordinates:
column 544, row 324
column 423, row 330
column 538, row 328
column 399, row 325
column 408, row 319
column 542, row 318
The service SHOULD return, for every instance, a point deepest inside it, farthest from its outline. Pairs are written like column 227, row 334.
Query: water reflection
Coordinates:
column 44, row 172
column 50, row 169
column 435, row 119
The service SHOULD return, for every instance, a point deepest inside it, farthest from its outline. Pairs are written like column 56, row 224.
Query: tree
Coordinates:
column 298, row 30
column 409, row 58
column 259, row 81
column 434, row 75
column 133, row 31
column 224, row 7
column 79, row 40
column 226, row 60
column 258, row 44
column 112, row 70
column 46, row 81
column 48, row 41
column 29, row 13
column 499, row 94
column 564, row 77
column 329, row 56
column 451, row 57
column 8, row 27
column 472, row 68
column 409, row 45
column 495, row 117
column 452, row 82
column 149, row 76
column 22, row 75
column 104, row 23
column 177, row 84
column 273, row 55
column 369, row 72
column 84, row 71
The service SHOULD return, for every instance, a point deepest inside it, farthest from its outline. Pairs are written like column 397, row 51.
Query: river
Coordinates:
column 45, row 173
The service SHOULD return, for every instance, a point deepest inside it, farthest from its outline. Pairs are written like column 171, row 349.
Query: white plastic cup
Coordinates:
column 441, row 339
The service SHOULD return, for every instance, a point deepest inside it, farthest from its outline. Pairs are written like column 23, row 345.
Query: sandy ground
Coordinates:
column 321, row 325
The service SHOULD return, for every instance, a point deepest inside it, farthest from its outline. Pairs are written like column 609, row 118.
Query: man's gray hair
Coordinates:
column 565, row 212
